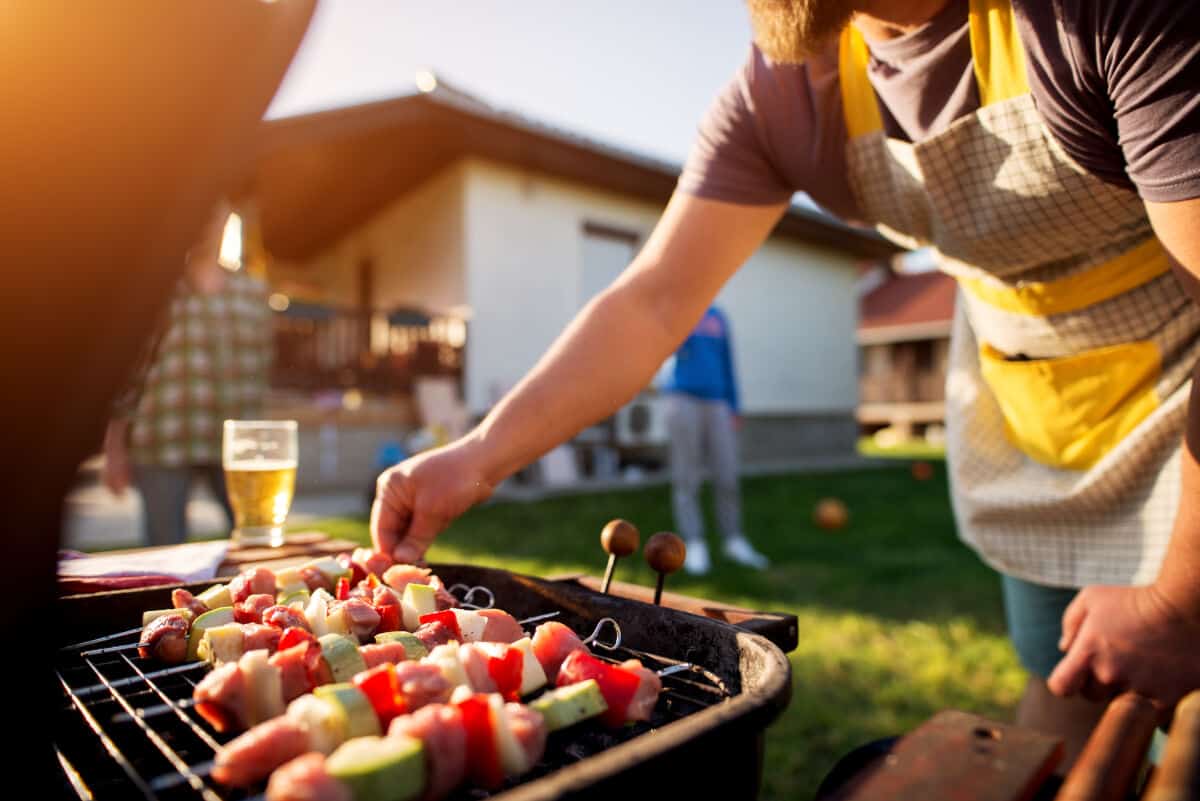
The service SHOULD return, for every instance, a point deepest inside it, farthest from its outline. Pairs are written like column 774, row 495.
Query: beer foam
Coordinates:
column 260, row 465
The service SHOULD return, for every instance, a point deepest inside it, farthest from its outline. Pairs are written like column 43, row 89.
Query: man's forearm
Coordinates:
column 1179, row 578
column 604, row 358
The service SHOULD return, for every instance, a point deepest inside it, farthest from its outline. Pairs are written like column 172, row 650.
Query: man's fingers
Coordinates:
column 1071, row 674
column 388, row 523
column 1072, row 619
column 420, row 535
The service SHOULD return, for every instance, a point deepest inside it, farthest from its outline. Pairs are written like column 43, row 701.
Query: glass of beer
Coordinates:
column 260, row 458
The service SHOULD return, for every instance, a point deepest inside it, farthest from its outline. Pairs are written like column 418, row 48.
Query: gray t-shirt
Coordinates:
column 1117, row 83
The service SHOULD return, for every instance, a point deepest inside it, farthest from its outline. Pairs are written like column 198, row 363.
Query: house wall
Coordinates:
column 792, row 308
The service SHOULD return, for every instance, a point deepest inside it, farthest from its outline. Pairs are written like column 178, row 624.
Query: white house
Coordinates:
column 435, row 218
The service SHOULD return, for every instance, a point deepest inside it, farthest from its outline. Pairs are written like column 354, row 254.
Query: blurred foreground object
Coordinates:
column 120, row 125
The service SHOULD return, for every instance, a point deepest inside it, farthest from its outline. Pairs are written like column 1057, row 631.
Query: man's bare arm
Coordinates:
column 604, row 357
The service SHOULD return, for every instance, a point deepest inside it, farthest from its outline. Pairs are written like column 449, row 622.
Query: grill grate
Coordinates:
column 154, row 745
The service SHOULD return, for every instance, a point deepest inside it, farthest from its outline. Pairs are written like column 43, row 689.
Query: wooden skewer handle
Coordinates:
column 1177, row 777
column 618, row 538
column 1109, row 764
column 665, row 553
column 608, row 573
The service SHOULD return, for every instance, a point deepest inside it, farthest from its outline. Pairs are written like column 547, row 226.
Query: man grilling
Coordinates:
column 1050, row 154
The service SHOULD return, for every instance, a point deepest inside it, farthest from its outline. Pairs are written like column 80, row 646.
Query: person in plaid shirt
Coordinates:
column 208, row 363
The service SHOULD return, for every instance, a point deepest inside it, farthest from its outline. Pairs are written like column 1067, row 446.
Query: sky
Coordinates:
column 638, row 74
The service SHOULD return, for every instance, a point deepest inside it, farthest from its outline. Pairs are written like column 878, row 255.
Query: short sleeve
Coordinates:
column 728, row 161
column 1118, row 85
column 1151, row 61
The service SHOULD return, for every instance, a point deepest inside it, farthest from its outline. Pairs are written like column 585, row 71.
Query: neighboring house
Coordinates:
column 432, row 234
column 904, row 342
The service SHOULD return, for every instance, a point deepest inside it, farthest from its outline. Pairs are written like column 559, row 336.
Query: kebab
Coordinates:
column 298, row 661
column 429, row 753
column 260, row 596
column 478, row 735
column 362, row 704
column 424, row 755
column 621, row 693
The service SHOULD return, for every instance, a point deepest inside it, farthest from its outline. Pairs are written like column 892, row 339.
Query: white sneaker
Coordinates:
column 697, row 562
column 739, row 549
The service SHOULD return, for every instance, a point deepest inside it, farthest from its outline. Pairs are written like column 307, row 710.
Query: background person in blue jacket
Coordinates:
column 703, row 415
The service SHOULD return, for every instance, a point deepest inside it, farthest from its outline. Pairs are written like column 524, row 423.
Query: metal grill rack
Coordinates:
column 140, row 715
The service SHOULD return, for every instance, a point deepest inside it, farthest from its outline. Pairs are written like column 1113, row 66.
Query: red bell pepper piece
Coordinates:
column 346, row 560
column 617, row 685
column 293, row 636
column 389, row 618
column 507, row 671
column 343, row 589
column 382, row 688
column 445, row 616
column 483, row 757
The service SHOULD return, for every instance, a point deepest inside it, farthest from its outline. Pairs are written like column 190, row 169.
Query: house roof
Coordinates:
column 907, row 306
column 316, row 176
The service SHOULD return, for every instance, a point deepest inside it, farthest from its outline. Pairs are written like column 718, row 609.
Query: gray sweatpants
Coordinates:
column 702, row 435
column 165, row 492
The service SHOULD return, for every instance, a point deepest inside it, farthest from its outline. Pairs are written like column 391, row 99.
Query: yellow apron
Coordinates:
column 1072, row 345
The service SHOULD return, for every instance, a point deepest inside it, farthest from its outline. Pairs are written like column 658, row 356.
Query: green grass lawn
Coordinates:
column 897, row 618
column 914, row 449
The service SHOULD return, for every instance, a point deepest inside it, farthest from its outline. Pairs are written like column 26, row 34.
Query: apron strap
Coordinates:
column 859, row 103
column 996, row 50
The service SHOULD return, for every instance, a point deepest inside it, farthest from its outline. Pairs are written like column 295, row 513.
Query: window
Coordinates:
column 607, row 251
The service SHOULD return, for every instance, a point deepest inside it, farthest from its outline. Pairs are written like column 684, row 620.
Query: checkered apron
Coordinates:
column 1072, row 344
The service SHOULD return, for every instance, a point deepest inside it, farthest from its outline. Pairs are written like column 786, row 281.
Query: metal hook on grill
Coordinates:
column 594, row 637
column 469, row 592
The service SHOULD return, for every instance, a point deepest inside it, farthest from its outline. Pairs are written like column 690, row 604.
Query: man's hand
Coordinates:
column 116, row 471
column 1128, row 638
column 418, row 498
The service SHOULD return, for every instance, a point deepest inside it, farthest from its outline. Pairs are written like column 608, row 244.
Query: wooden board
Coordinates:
column 956, row 756
column 300, row 547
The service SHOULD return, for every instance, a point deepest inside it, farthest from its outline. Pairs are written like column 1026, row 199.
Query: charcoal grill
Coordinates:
column 116, row 741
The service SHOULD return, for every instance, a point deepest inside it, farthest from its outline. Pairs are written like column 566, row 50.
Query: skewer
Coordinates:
column 538, row 618
column 664, row 553
column 110, row 650
column 673, row 669
column 98, row 640
column 154, row 674
column 619, row 538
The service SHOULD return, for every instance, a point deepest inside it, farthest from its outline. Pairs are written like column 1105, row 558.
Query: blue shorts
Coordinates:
column 1034, row 614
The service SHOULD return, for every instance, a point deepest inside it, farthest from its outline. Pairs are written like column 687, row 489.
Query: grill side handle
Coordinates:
column 782, row 630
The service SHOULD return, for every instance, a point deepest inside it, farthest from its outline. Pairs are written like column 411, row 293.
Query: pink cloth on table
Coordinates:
column 180, row 564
